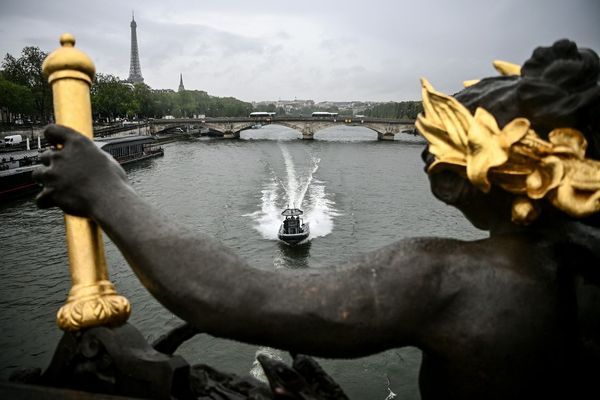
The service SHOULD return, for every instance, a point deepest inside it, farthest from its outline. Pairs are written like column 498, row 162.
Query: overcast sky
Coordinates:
column 321, row 50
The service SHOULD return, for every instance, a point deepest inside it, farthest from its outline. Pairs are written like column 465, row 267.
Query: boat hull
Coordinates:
column 17, row 182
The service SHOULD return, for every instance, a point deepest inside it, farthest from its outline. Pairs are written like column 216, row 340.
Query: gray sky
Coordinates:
column 320, row 50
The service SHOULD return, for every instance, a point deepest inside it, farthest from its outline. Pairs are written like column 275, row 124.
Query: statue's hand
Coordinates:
column 76, row 173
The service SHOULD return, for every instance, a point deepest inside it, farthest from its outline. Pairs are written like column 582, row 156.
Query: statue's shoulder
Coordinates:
column 513, row 259
column 437, row 259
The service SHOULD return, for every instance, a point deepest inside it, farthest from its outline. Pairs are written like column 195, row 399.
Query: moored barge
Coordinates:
column 16, row 174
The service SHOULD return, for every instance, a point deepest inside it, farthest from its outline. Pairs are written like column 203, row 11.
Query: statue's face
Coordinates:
column 457, row 191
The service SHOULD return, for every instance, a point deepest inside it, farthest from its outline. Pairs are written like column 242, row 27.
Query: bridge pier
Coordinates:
column 385, row 136
column 388, row 131
column 307, row 132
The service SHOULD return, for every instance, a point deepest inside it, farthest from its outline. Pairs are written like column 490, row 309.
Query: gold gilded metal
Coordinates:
column 503, row 67
column 506, row 68
column 470, row 82
column 514, row 157
column 92, row 299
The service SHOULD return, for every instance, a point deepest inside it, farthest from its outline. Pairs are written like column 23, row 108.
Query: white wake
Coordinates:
column 296, row 190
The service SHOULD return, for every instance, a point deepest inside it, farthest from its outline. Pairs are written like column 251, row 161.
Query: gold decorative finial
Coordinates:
column 514, row 157
column 68, row 58
column 92, row 299
column 67, row 40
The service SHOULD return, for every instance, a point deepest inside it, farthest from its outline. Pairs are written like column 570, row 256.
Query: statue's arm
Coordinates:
column 379, row 301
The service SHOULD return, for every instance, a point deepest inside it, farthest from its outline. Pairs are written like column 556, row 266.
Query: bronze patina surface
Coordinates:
column 513, row 316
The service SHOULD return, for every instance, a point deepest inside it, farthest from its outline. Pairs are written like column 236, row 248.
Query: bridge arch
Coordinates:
column 229, row 129
column 280, row 132
column 351, row 133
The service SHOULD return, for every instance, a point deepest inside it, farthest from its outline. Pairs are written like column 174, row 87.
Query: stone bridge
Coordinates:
column 308, row 126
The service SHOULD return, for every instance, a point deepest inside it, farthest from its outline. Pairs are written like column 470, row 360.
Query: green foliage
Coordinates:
column 228, row 107
column 16, row 98
column 26, row 71
column 25, row 90
column 111, row 98
column 401, row 110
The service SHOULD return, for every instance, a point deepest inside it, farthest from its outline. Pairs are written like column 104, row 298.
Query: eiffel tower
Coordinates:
column 135, row 72
column 181, row 87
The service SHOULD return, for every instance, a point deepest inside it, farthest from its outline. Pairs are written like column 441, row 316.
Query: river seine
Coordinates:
column 358, row 194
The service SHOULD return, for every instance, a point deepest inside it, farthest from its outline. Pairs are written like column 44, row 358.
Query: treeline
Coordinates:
column 401, row 110
column 24, row 91
column 111, row 99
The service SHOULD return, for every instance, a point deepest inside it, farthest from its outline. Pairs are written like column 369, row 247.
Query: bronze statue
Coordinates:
column 516, row 315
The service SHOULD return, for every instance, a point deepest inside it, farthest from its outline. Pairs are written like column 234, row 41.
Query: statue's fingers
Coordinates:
column 46, row 157
column 39, row 173
column 59, row 134
column 44, row 198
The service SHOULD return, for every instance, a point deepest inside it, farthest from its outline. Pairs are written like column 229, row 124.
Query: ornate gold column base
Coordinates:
column 93, row 305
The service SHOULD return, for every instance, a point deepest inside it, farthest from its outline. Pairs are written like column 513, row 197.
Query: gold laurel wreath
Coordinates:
column 514, row 157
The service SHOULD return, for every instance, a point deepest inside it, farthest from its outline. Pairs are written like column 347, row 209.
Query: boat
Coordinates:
column 16, row 171
column 293, row 230
column 17, row 181
column 128, row 149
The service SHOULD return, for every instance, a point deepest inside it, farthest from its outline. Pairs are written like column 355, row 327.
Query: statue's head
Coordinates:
column 512, row 146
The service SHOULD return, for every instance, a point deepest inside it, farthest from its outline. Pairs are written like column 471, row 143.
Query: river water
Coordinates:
column 358, row 194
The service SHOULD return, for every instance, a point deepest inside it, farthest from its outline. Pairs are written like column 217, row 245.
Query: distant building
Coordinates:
column 181, row 87
column 135, row 71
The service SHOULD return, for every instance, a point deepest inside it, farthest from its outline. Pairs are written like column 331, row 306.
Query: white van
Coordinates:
column 12, row 140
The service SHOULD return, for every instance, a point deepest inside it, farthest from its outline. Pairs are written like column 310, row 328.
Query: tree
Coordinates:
column 228, row 107
column 16, row 98
column 164, row 102
column 146, row 100
column 401, row 110
column 111, row 98
column 27, row 71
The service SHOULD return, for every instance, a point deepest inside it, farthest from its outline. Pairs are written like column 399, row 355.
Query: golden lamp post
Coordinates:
column 92, row 299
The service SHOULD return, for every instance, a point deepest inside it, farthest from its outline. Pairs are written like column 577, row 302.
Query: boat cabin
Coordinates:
column 292, row 224
column 130, row 148
column 293, row 230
